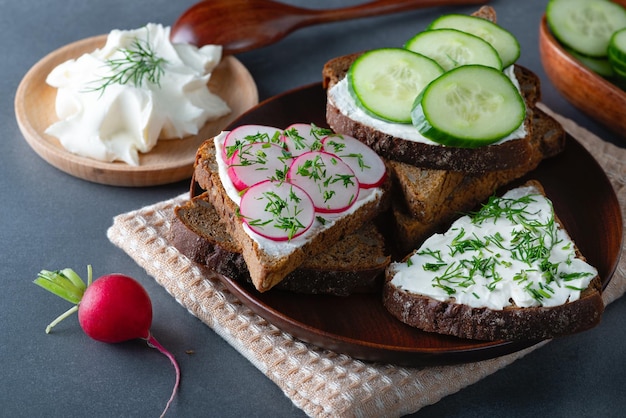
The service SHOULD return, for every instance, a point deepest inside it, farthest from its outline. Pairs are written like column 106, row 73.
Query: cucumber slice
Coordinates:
column 617, row 50
column 468, row 107
column 585, row 26
column 501, row 39
column 600, row 66
column 385, row 82
column 452, row 48
column 617, row 56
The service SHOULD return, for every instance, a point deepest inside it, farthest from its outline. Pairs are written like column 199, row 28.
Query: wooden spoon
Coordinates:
column 242, row 25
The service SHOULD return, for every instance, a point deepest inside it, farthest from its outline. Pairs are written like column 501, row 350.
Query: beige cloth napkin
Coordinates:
column 322, row 383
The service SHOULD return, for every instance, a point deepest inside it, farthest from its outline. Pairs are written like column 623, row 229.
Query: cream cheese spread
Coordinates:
column 120, row 120
column 340, row 97
column 510, row 252
column 282, row 248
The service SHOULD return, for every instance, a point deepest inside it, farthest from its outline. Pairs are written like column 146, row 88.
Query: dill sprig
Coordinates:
column 338, row 147
column 139, row 63
column 284, row 213
column 250, row 139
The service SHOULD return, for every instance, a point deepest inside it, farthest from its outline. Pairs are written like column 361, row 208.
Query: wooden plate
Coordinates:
column 360, row 326
column 585, row 89
column 168, row 162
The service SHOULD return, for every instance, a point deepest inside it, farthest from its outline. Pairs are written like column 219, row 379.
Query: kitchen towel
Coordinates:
column 320, row 382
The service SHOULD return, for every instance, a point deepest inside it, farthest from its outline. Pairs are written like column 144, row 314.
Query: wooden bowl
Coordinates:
column 585, row 89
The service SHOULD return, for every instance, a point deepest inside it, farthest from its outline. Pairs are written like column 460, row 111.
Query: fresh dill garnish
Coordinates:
column 138, row 64
column 314, row 169
column 485, row 257
column 337, row 148
column 436, row 254
column 284, row 213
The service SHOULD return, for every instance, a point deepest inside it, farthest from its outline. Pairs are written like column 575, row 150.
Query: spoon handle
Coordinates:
column 242, row 25
column 375, row 8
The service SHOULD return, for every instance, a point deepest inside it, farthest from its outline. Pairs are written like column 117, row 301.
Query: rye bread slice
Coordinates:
column 267, row 270
column 501, row 156
column 510, row 323
column 428, row 199
column 355, row 264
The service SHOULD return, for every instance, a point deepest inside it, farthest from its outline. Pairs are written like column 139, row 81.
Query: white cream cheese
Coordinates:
column 340, row 97
column 121, row 120
column 282, row 248
column 490, row 264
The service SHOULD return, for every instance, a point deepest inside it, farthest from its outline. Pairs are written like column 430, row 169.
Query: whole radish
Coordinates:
column 112, row 309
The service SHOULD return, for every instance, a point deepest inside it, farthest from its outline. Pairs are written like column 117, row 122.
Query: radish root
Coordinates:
column 152, row 342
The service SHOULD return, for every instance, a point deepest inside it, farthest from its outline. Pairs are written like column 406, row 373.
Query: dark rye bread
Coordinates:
column 429, row 199
column 267, row 270
column 506, row 155
column 355, row 264
column 510, row 323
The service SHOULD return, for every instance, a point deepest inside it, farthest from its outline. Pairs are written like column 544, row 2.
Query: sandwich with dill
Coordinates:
column 508, row 271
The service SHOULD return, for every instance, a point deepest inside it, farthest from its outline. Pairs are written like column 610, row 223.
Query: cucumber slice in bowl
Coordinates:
column 452, row 48
column 501, row 39
column 385, row 82
column 617, row 51
column 585, row 26
column 599, row 65
column 469, row 107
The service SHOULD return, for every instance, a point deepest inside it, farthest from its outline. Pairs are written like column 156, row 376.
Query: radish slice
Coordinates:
column 329, row 181
column 252, row 163
column 276, row 210
column 301, row 137
column 368, row 167
column 248, row 134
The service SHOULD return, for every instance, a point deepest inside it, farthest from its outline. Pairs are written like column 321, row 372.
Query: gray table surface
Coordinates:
column 52, row 220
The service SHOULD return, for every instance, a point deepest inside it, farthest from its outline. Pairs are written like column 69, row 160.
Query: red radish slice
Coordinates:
column 252, row 163
column 247, row 134
column 368, row 167
column 301, row 137
column 330, row 182
column 279, row 211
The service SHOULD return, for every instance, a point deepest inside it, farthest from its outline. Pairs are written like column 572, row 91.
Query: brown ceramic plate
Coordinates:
column 360, row 326
column 585, row 89
column 168, row 162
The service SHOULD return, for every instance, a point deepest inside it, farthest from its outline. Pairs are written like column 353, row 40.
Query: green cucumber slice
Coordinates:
column 617, row 56
column 599, row 65
column 468, row 107
column 501, row 39
column 452, row 48
column 385, row 82
column 585, row 26
column 617, row 50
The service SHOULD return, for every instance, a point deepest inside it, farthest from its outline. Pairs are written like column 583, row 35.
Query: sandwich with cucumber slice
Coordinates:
column 449, row 99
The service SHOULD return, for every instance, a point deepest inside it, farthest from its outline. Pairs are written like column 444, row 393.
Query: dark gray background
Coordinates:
column 52, row 220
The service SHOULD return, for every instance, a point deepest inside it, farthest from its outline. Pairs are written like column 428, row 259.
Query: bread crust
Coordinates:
column 536, row 323
column 265, row 270
column 510, row 323
column 196, row 231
